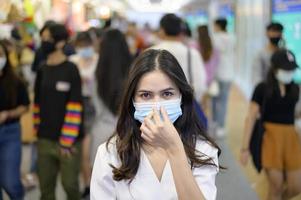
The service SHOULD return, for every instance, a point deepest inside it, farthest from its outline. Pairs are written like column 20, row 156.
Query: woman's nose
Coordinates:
column 157, row 98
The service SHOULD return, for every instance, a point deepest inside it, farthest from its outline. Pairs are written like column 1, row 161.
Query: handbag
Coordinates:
column 257, row 139
column 213, row 89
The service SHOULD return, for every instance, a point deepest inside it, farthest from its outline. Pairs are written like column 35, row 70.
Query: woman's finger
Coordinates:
column 150, row 124
column 150, row 115
column 164, row 114
column 146, row 138
column 145, row 130
column 157, row 117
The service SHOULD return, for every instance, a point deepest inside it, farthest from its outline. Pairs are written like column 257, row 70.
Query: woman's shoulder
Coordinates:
column 108, row 150
column 206, row 148
column 260, row 87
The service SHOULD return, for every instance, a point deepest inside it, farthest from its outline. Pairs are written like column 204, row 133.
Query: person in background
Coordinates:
column 96, row 34
column 159, row 149
column 135, row 41
column 170, row 33
column 30, row 179
column 261, row 64
column 274, row 100
column 58, row 118
column 224, row 43
column 148, row 35
column 111, row 72
column 14, row 102
column 210, row 56
column 86, row 61
column 209, row 53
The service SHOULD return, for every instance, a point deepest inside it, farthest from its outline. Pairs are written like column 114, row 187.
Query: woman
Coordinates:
column 14, row 102
column 58, row 118
column 211, row 59
column 111, row 72
column 156, row 133
column 209, row 54
column 275, row 100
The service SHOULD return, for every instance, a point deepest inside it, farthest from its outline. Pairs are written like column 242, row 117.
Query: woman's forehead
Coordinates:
column 155, row 81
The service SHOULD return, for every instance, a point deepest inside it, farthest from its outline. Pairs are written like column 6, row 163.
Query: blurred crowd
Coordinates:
column 73, row 82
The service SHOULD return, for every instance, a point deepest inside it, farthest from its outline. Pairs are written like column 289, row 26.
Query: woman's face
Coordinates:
column 285, row 76
column 156, row 86
column 45, row 35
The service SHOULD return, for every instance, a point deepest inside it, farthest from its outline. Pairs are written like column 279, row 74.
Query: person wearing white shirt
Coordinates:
column 224, row 43
column 86, row 61
column 159, row 149
column 171, row 40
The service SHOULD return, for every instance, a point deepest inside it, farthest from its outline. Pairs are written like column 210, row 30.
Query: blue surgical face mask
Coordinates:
column 285, row 76
column 86, row 52
column 172, row 107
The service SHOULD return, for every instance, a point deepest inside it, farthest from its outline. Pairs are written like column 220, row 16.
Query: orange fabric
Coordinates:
column 281, row 147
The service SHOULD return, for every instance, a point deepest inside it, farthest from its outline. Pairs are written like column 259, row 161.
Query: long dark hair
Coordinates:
column 112, row 68
column 8, row 79
column 128, row 138
column 205, row 42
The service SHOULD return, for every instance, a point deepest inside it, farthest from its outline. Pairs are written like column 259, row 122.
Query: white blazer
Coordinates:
column 146, row 185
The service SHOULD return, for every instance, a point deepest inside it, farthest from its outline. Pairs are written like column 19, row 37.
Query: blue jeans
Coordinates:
column 10, row 161
column 220, row 103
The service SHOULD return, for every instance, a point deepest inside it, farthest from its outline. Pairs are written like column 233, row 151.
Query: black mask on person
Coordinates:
column 275, row 40
column 48, row 47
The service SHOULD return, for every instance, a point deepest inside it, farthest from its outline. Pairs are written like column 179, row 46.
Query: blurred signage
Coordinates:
column 226, row 10
column 279, row 6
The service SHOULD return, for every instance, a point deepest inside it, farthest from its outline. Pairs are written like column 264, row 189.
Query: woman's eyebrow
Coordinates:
column 143, row 90
column 164, row 90
column 167, row 89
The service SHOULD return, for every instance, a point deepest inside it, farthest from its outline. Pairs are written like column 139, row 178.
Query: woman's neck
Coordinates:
column 282, row 89
column 56, row 58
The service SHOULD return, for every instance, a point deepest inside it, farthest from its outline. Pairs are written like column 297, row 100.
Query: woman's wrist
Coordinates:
column 175, row 149
column 10, row 114
column 6, row 114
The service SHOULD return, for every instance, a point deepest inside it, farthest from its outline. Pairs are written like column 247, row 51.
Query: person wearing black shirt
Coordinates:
column 58, row 118
column 14, row 102
column 275, row 99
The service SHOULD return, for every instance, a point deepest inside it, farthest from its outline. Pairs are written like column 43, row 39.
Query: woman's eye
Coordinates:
column 167, row 94
column 145, row 95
